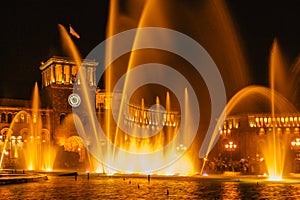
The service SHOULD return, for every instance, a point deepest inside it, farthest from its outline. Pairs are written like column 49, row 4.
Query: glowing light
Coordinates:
column 230, row 146
column 261, row 159
column 109, row 173
column 48, row 169
column 296, row 143
column 205, row 174
column 30, row 167
column 265, row 174
column 34, row 119
column 275, row 178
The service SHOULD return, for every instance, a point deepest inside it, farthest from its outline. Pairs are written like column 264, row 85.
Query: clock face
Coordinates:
column 74, row 100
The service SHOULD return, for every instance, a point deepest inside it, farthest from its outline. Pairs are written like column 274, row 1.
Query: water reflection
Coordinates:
column 230, row 190
column 139, row 188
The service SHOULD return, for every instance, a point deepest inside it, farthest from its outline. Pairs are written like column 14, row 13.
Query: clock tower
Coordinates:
column 58, row 80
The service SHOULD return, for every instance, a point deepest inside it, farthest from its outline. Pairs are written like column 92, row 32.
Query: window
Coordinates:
column 74, row 73
column 67, row 74
column 3, row 118
column 9, row 118
column 61, row 118
column 58, row 74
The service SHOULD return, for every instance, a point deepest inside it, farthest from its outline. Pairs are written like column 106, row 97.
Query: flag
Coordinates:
column 73, row 32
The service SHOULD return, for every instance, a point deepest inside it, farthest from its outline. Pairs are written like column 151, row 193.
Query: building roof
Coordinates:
column 66, row 60
column 15, row 102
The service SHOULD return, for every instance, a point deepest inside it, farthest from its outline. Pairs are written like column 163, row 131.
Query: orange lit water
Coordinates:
column 275, row 162
column 99, row 187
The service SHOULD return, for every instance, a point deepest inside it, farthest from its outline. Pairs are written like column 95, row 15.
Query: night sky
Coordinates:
column 29, row 35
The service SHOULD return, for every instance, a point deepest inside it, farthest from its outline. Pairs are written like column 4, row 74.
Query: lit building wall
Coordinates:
column 17, row 132
column 59, row 75
column 62, row 70
column 251, row 134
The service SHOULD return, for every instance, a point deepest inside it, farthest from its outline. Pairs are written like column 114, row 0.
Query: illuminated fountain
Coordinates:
column 27, row 141
column 117, row 150
column 276, row 103
column 144, row 111
column 119, row 21
column 108, row 148
column 38, row 151
column 276, row 150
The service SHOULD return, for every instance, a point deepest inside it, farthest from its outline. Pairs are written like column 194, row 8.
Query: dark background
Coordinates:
column 29, row 35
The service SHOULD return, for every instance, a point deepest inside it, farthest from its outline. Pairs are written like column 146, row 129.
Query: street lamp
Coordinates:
column 296, row 144
column 230, row 147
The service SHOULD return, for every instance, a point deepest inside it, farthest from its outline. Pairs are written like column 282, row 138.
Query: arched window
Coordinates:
column 3, row 118
column 9, row 118
column 25, row 134
column 61, row 118
column 45, row 137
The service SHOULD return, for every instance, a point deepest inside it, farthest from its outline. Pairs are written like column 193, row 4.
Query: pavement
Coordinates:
column 14, row 177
